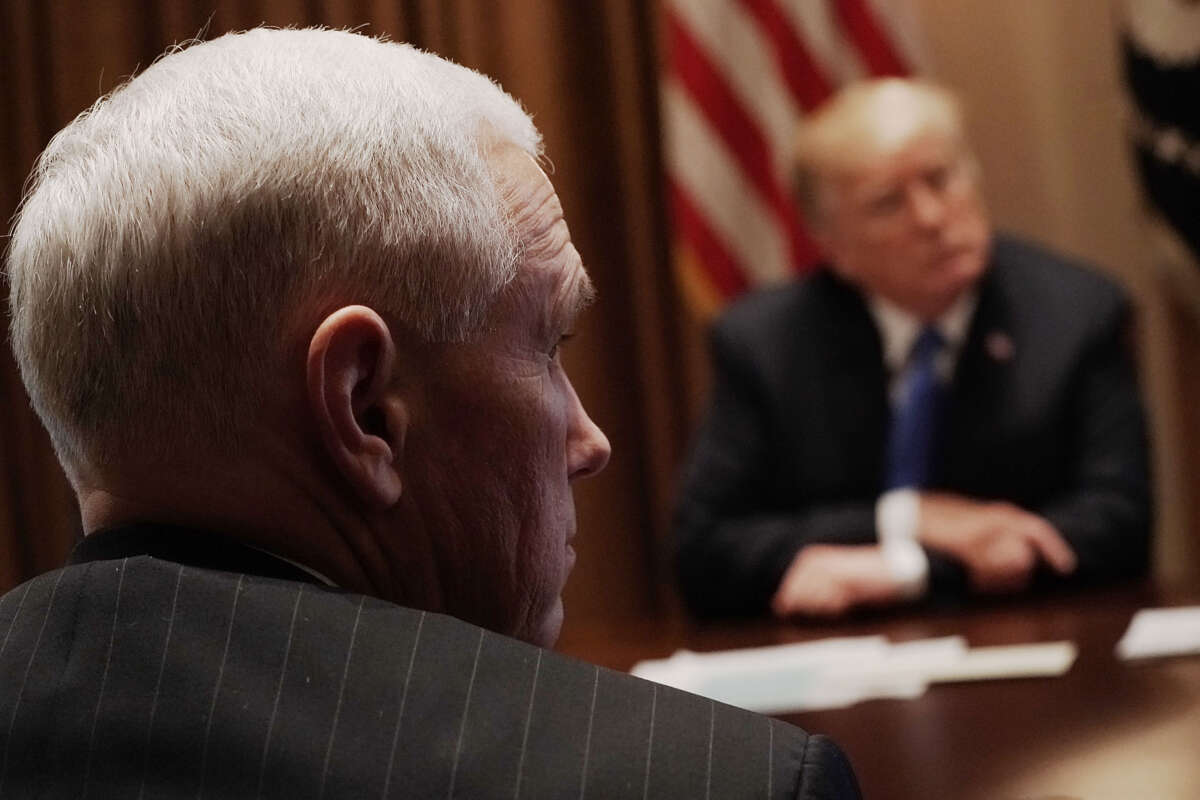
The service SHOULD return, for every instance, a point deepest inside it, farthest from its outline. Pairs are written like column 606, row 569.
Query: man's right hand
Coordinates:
column 998, row 543
column 827, row 580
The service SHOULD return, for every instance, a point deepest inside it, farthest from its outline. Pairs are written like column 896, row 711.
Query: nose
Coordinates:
column 587, row 446
column 927, row 205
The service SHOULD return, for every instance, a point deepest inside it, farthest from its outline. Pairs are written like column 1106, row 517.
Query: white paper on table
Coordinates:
column 1045, row 659
column 835, row 673
column 789, row 677
column 1161, row 632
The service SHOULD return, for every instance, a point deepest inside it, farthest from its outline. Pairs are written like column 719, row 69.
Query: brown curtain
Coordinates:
column 585, row 70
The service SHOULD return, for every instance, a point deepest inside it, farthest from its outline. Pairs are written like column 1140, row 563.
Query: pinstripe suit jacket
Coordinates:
column 220, row 672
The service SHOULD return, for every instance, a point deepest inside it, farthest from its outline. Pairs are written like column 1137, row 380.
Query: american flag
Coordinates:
column 740, row 75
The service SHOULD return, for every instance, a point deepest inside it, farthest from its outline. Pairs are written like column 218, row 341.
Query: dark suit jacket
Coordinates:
column 792, row 450
column 217, row 671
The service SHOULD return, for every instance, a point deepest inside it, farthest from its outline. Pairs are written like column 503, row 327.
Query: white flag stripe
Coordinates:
column 897, row 19
column 816, row 27
column 700, row 163
column 744, row 58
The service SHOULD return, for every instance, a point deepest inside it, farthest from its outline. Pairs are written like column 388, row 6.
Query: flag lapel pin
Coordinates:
column 999, row 345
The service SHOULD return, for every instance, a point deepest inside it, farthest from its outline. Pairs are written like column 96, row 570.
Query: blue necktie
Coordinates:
column 915, row 416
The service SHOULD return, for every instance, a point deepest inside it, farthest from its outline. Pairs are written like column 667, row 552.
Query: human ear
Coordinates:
column 360, row 419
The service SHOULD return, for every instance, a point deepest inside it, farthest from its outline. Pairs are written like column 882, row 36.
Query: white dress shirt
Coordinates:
column 897, row 512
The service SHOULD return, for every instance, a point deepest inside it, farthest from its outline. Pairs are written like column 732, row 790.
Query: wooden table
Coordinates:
column 1107, row 729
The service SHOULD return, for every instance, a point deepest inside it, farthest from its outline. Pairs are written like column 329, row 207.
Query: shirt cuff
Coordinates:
column 896, row 517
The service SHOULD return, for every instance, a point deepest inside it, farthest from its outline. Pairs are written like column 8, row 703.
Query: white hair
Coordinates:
column 866, row 118
column 174, row 232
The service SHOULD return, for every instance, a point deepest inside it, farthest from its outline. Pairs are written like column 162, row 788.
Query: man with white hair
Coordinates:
column 941, row 411
column 290, row 304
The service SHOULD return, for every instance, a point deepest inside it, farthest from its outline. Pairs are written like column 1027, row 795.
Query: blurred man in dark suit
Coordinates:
column 942, row 410
column 290, row 304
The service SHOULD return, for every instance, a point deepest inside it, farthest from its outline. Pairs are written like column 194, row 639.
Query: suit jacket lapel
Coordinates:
column 856, row 397
column 980, row 392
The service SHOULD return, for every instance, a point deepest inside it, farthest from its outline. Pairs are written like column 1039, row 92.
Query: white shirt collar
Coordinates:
column 898, row 329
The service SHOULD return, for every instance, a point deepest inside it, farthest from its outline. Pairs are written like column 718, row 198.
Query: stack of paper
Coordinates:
column 1161, row 632
column 834, row 673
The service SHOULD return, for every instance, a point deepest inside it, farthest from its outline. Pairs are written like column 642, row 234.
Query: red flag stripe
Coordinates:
column 804, row 77
column 873, row 45
column 792, row 47
column 737, row 128
column 692, row 226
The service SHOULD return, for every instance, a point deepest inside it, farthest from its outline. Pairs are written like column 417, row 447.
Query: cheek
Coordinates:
column 549, row 521
column 875, row 243
column 889, row 259
column 548, row 420
column 971, row 215
column 513, row 507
